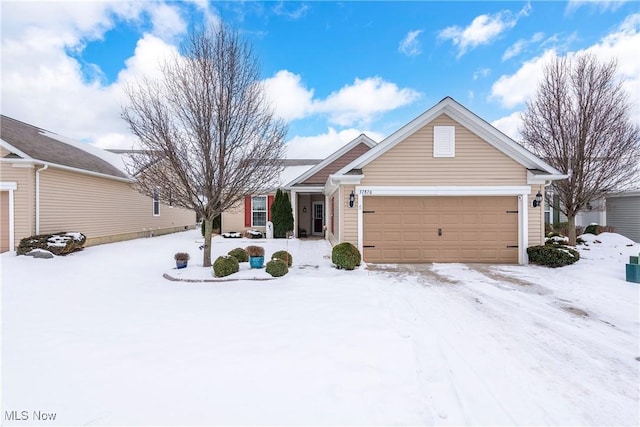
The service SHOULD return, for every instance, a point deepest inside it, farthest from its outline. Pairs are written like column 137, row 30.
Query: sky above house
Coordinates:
column 332, row 70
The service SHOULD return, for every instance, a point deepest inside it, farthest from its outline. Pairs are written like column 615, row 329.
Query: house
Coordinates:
column 623, row 214
column 49, row 183
column 446, row 187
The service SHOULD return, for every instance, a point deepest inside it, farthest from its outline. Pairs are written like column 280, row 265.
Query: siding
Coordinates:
column 536, row 217
column 320, row 177
column 349, row 217
column 411, row 162
column 103, row 209
column 24, row 198
column 623, row 213
column 233, row 219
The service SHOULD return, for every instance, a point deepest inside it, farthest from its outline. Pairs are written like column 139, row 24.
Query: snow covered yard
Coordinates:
column 101, row 338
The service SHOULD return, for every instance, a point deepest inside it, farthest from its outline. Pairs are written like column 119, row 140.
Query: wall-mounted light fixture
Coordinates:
column 304, row 209
column 538, row 201
column 352, row 198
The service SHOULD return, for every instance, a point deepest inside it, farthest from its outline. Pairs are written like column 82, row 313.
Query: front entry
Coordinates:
column 317, row 219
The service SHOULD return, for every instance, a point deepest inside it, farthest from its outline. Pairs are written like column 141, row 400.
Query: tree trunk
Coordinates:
column 208, row 229
column 571, row 219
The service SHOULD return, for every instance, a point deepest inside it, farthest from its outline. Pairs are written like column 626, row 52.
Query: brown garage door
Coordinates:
column 440, row 229
column 4, row 221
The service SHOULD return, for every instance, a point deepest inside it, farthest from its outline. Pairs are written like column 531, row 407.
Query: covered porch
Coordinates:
column 309, row 211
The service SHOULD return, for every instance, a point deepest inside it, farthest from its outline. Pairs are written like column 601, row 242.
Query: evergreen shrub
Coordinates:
column 345, row 255
column 225, row 265
column 284, row 256
column 277, row 268
column 61, row 243
column 552, row 255
column 240, row 254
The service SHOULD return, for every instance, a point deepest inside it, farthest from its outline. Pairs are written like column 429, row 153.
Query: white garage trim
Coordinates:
column 10, row 187
column 522, row 192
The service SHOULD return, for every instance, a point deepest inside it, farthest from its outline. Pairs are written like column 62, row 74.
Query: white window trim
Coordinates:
column 448, row 150
column 10, row 187
column 155, row 200
column 266, row 208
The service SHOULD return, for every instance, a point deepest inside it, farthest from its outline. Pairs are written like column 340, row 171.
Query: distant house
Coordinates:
column 446, row 187
column 49, row 183
column 623, row 214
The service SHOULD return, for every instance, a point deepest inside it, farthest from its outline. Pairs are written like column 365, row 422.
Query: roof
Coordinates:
column 470, row 120
column 29, row 142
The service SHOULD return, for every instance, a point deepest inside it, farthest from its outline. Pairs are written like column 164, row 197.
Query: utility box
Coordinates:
column 633, row 269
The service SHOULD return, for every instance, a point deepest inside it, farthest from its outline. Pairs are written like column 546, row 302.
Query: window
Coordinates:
column 259, row 211
column 156, row 202
column 444, row 141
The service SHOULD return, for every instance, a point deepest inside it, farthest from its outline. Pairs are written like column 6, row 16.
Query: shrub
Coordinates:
column 181, row 256
column 57, row 243
column 217, row 224
column 255, row 251
column 556, row 239
column 345, row 255
column 281, row 214
column 552, row 255
column 592, row 229
column 277, row 268
column 225, row 265
column 240, row 254
column 284, row 256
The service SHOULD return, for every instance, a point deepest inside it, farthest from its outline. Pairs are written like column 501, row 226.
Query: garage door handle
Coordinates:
column 439, row 231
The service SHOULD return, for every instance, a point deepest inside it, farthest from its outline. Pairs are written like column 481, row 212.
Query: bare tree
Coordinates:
column 580, row 122
column 208, row 134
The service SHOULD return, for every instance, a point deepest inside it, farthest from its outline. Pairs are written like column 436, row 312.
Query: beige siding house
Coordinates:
column 49, row 184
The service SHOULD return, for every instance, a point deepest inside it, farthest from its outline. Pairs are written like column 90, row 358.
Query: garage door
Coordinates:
column 4, row 221
column 440, row 229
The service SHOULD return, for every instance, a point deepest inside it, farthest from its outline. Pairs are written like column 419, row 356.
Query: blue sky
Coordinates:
column 332, row 69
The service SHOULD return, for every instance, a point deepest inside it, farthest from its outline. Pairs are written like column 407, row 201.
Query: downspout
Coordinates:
column 45, row 167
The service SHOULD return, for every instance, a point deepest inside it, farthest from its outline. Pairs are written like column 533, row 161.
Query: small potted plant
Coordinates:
column 256, row 256
column 182, row 258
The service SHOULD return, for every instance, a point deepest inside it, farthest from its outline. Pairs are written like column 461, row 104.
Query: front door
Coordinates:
column 317, row 218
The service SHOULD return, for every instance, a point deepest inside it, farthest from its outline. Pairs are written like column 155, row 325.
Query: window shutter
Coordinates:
column 444, row 141
column 247, row 211
column 269, row 203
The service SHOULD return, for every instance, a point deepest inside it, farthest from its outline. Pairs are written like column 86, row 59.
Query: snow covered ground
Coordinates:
column 101, row 338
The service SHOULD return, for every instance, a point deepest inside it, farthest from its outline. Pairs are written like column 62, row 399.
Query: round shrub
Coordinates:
column 240, row 254
column 284, row 256
column 277, row 268
column 225, row 265
column 592, row 229
column 345, row 255
column 552, row 255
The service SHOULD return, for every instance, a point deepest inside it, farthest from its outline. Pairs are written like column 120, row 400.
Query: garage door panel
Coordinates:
column 474, row 229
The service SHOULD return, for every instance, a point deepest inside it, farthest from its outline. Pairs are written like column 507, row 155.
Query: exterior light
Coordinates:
column 589, row 207
column 352, row 198
column 538, row 201
column 304, row 209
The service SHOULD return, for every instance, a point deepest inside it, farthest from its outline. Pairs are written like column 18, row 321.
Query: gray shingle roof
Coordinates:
column 34, row 142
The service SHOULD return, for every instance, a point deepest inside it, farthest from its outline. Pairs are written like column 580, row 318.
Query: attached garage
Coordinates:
column 440, row 229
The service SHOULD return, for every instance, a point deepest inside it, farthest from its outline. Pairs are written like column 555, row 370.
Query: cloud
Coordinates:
column 410, row 45
column 484, row 29
column 321, row 146
column 601, row 5
column 510, row 125
column 295, row 14
column 621, row 44
column 520, row 45
column 481, row 72
column 290, row 98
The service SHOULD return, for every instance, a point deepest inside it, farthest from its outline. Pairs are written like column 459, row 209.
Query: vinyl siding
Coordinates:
column 24, row 198
column 476, row 162
column 536, row 217
column 233, row 219
column 349, row 217
column 623, row 213
column 104, row 210
column 321, row 176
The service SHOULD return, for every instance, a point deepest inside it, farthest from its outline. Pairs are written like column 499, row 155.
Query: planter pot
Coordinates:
column 181, row 264
column 256, row 261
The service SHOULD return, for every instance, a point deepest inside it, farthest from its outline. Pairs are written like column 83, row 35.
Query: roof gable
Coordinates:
column 32, row 143
column 465, row 117
column 318, row 174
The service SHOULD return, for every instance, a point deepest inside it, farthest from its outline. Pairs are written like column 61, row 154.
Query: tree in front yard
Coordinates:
column 580, row 122
column 208, row 135
column 281, row 214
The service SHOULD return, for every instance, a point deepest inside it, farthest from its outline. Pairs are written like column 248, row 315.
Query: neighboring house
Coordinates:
column 623, row 214
column 49, row 184
column 594, row 212
column 446, row 187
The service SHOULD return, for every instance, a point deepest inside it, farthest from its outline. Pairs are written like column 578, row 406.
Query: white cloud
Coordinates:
column 167, row 22
column 294, row 14
column 362, row 101
column 601, row 5
column 483, row 30
column 290, row 98
column 481, row 72
column 321, row 146
column 621, row 44
column 510, row 125
column 410, row 45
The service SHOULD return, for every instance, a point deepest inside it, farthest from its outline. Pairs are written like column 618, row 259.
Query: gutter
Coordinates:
column 44, row 168
column 67, row 168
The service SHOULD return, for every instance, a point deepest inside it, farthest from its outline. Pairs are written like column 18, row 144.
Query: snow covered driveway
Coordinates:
column 100, row 338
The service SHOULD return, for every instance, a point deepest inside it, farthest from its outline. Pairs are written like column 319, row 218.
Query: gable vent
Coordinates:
column 444, row 141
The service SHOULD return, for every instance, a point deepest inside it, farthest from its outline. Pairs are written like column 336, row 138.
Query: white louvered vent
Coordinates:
column 444, row 141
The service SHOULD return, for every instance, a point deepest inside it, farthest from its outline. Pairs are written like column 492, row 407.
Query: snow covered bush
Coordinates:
column 345, row 255
column 240, row 254
column 552, row 255
column 277, row 268
column 284, row 256
column 225, row 265
column 556, row 239
column 592, row 229
column 62, row 243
